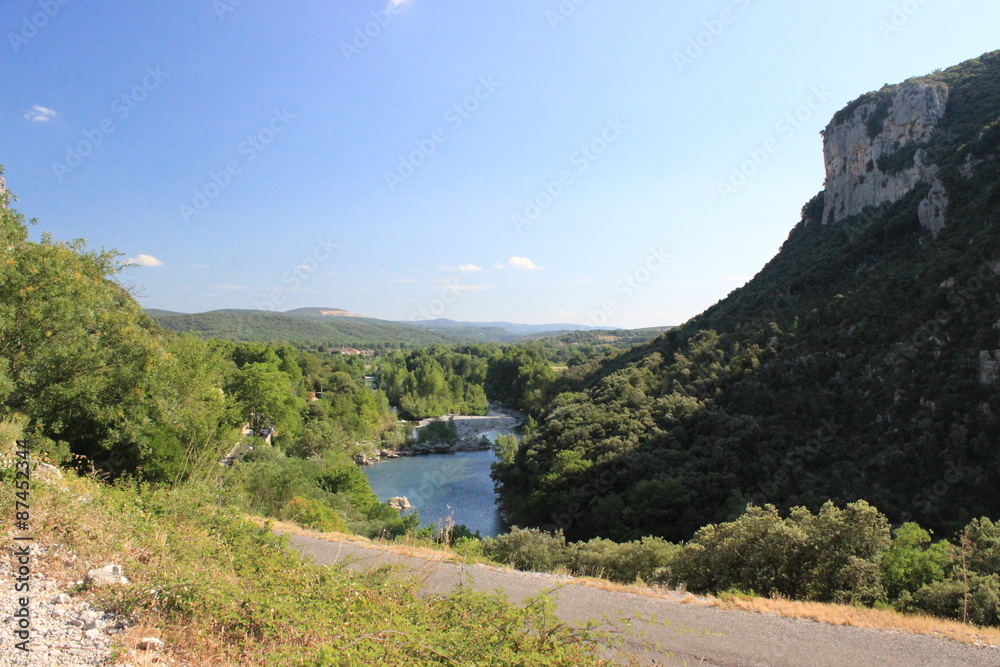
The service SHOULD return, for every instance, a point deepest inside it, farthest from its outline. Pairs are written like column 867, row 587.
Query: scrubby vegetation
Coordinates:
column 220, row 590
column 848, row 368
column 846, row 556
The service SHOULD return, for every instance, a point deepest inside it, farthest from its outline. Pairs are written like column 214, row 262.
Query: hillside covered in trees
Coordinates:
column 860, row 363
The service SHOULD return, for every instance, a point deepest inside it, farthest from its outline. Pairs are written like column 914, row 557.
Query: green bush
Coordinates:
column 313, row 514
column 834, row 555
column 438, row 431
column 528, row 549
column 913, row 561
column 979, row 604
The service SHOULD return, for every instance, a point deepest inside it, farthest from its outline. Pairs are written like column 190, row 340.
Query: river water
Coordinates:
column 443, row 485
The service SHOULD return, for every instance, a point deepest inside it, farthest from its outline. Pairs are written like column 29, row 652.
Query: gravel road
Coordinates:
column 686, row 633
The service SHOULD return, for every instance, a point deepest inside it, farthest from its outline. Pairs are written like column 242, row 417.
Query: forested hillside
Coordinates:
column 860, row 363
column 265, row 326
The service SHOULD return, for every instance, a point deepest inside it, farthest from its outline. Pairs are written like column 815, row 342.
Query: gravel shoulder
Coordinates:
column 684, row 631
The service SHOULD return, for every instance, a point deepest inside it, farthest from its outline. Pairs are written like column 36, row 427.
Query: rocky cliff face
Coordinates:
column 875, row 152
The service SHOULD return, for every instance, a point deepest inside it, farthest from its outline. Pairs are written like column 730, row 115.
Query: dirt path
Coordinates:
column 694, row 634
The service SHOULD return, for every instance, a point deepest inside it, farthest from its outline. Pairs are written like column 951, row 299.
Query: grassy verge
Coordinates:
column 823, row 612
column 220, row 590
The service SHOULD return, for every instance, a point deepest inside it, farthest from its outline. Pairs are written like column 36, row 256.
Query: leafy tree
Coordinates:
column 913, row 561
column 264, row 397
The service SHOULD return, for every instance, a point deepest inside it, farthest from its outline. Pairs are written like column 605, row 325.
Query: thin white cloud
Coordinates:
column 524, row 264
column 405, row 281
column 469, row 268
column 39, row 114
column 144, row 260
column 231, row 287
column 399, row 3
column 201, row 266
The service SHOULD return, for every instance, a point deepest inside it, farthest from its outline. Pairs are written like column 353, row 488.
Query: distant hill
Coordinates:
column 258, row 325
column 321, row 313
column 336, row 326
column 520, row 329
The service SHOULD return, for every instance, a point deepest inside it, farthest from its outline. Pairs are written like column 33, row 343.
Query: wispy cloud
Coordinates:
column 469, row 267
column 232, row 288
column 405, row 281
column 144, row 260
column 524, row 264
column 39, row 114
column 399, row 3
column 201, row 266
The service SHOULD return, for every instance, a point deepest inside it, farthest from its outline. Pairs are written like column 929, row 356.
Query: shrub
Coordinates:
column 313, row 514
column 528, row 549
column 980, row 604
column 438, row 431
column 830, row 556
column 912, row 561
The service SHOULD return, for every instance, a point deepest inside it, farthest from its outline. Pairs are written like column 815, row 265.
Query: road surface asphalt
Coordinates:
column 683, row 633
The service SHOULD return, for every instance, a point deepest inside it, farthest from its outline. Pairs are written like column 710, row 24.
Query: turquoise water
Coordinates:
column 441, row 484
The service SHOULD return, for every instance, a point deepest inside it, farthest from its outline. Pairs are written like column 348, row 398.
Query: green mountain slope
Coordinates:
column 262, row 326
column 861, row 363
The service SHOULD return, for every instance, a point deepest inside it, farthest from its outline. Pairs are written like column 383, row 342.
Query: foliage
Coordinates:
column 313, row 514
column 439, row 430
column 221, row 589
column 848, row 368
column 913, row 561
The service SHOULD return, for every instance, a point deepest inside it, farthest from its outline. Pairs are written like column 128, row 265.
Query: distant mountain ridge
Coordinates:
column 512, row 327
column 336, row 326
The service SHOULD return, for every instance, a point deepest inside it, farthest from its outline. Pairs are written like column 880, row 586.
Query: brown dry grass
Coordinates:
column 820, row 612
column 835, row 614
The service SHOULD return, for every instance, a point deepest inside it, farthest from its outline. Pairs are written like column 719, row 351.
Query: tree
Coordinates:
column 264, row 398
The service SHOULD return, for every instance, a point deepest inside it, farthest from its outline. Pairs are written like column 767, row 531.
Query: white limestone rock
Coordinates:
column 854, row 180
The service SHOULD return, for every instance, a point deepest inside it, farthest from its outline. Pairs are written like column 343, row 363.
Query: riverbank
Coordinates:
column 473, row 433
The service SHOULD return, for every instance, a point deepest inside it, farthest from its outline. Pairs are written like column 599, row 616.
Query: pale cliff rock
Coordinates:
column 859, row 150
column 934, row 208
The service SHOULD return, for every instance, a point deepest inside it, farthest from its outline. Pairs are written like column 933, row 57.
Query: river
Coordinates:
column 443, row 485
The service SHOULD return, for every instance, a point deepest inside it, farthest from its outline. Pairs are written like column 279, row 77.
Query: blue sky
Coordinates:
column 527, row 160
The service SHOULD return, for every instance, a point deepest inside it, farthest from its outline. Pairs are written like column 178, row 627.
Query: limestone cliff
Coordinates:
column 875, row 152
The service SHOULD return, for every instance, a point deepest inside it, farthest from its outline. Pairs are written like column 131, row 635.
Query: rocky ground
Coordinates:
column 66, row 630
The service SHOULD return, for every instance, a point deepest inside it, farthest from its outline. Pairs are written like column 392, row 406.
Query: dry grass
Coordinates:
column 835, row 614
column 402, row 548
column 832, row 614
